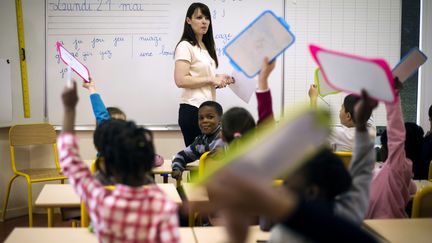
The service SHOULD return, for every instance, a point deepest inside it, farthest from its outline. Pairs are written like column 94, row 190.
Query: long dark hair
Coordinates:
column 189, row 36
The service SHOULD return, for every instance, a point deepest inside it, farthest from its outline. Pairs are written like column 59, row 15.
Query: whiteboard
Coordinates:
column 368, row 28
column 128, row 48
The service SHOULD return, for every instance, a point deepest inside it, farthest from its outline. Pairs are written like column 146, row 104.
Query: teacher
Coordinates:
column 195, row 66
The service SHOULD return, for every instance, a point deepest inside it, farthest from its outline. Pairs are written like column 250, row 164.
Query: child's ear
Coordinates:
column 349, row 116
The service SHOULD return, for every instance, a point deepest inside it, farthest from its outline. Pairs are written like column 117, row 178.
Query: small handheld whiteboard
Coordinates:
column 409, row 64
column 323, row 88
column 73, row 63
column 351, row 73
column 273, row 150
column 267, row 36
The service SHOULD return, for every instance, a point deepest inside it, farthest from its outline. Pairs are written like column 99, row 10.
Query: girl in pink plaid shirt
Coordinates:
column 131, row 212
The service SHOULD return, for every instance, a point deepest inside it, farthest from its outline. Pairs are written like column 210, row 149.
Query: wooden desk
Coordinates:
column 218, row 234
column 62, row 195
column 165, row 169
column 71, row 235
column 401, row 230
column 195, row 193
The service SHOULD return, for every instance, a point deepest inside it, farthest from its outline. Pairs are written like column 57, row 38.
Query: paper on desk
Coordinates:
column 243, row 86
column 351, row 73
column 71, row 61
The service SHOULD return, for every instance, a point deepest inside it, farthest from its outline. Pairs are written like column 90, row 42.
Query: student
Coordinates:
column 238, row 121
column 324, row 177
column 244, row 197
column 391, row 185
column 195, row 69
column 209, row 121
column 103, row 113
column 342, row 137
column 423, row 172
column 130, row 212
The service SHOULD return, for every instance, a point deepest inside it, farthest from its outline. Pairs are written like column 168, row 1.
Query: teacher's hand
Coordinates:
column 222, row 80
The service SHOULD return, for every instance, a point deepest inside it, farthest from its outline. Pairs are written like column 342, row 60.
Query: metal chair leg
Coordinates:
column 6, row 199
column 30, row 202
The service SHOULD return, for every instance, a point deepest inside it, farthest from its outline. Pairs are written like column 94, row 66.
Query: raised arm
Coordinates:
column 353, row 204
column 395, row 133
column 99, row 110
column 72, row 165
column 263, row 94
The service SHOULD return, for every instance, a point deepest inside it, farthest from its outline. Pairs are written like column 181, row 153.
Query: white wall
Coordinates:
column 425, row 75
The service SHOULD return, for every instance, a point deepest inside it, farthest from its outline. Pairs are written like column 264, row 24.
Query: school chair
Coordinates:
column 93, row 167
column 194, row 216
column 422, row 203
column 345, row 156
column 32, row 135
column 70, row 213
column 85, row 219
column 202, row 164
column 430, row 171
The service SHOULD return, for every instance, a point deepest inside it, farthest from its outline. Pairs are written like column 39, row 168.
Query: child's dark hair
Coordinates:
column 236, row 120
column 327, row 171
column 349, row 104
column 413, row 142
column 114, row 111
column 213, row 104
column 189, row 35
column 127, row 150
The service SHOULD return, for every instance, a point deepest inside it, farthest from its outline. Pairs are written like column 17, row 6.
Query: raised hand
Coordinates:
column 363, row 110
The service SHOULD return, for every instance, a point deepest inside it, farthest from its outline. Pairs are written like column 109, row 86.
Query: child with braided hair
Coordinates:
column 136, row 210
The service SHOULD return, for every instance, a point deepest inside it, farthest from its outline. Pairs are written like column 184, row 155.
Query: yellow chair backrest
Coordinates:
column 430, row 171
column 422, row 203
column 345, row 156
column 93, row 166
column 201, row 165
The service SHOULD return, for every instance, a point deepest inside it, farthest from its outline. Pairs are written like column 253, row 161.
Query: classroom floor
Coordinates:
column 39, row 220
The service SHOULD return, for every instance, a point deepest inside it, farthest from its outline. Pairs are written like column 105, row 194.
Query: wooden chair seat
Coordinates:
column 43, row 173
